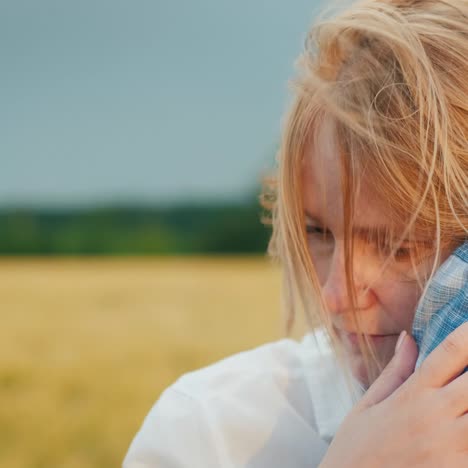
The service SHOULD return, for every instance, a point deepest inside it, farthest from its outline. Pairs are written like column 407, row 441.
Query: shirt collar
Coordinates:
column 332, row 394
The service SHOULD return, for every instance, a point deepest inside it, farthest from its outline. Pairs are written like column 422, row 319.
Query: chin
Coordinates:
column 359, row 370
column 357, row 363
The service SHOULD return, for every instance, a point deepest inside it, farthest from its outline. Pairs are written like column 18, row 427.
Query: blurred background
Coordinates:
column 133, row 139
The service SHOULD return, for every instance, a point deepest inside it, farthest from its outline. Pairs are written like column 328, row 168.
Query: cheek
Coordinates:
column 399, row 300
column 321, row 265
column 321, row 254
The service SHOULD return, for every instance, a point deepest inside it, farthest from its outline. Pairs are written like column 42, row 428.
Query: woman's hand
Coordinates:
column 410, row 418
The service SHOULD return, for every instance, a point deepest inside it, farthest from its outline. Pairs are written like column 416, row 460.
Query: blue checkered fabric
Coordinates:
column 444, row 307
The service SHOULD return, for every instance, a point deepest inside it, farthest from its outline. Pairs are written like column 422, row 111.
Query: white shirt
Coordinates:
column 274, row 406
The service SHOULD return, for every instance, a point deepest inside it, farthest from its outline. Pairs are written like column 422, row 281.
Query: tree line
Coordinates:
column 216, row 228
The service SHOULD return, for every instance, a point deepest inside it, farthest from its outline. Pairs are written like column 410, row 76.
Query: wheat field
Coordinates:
column 88, row 345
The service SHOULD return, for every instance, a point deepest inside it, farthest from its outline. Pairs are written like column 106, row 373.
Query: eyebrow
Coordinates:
column 368, row 232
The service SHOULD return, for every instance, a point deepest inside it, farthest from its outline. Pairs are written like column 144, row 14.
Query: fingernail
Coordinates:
column 401, row 338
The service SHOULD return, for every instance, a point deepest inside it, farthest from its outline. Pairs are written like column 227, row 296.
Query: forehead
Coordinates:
column 322, row 183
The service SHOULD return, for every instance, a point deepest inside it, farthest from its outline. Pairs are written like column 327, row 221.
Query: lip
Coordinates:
column 353, row 337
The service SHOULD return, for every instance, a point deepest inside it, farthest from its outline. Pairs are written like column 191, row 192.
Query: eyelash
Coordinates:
column 317, row 230
column 401, row 253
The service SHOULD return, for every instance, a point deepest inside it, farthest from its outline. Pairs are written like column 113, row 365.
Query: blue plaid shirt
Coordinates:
column 444, row 307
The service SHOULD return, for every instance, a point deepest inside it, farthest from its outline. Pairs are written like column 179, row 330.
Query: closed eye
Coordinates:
column 314, row 230
column 402, row 253
column 317, row 230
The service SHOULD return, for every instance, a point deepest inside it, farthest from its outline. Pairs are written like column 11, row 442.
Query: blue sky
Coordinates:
column 110, row 100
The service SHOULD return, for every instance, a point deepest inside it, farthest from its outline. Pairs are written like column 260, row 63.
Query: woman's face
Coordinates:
column 386, row 300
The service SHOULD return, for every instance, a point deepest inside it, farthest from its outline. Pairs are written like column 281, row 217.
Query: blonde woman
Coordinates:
column 369, row 203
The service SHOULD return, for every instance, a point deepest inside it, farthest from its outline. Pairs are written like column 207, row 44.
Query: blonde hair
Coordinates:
column 392, row 76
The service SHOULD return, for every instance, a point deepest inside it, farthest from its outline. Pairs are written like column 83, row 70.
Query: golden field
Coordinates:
column 88, row 345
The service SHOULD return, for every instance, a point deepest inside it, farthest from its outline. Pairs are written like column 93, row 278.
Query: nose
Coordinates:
column 335, row 290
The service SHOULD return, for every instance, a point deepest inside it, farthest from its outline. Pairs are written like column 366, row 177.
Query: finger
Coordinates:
column 395, row 373
column 447, row 360
column 460, row 435
column 455, row 395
